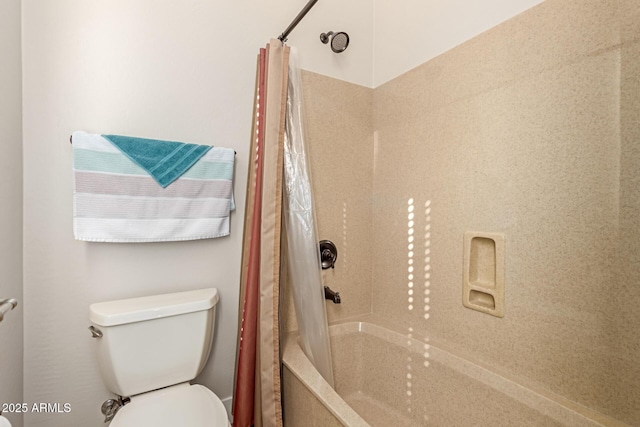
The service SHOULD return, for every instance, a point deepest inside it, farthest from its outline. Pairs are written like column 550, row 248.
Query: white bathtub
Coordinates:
column 388, row 378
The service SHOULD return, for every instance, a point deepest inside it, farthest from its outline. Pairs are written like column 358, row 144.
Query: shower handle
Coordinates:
column 328, row 254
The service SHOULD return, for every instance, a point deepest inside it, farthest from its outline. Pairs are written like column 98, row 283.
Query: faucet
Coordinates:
column 331, row 295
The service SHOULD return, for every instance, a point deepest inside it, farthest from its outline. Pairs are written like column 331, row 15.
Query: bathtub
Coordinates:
column 385, row 377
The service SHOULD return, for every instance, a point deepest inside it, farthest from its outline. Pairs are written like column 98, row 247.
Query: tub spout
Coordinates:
column 331, row 295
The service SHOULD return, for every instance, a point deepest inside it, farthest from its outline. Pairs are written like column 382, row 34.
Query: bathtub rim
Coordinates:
column 533, row 395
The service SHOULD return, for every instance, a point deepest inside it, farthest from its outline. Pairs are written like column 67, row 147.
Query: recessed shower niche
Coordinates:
column 483, row 281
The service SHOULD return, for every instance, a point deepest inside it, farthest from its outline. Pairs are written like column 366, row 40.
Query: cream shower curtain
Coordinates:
column 257, row 397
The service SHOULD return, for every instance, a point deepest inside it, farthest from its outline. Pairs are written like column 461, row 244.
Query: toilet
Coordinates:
column 149, row 349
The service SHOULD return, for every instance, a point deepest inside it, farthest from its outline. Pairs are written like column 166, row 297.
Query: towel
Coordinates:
column 165, row 161
column 116, row 200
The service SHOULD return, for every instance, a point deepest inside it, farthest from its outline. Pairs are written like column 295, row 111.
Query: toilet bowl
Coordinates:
column 149, row 349
column 179, row 405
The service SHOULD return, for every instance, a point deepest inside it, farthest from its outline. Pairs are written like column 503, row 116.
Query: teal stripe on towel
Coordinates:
column 118, row 163
column 101, row 161
column 210, row 170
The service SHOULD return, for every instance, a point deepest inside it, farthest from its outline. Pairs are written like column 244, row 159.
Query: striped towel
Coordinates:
column 115, row 200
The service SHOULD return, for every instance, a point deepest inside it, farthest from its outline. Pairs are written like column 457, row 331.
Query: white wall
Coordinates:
column 164, row 69
column 409, row 35
column 11, row 205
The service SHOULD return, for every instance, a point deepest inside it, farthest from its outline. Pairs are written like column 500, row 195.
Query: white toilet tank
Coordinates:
column 153, row 342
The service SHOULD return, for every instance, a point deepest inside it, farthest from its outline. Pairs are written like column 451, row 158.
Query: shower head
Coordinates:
column 339, row 41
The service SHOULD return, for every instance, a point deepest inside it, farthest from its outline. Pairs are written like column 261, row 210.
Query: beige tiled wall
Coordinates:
column 531, row 130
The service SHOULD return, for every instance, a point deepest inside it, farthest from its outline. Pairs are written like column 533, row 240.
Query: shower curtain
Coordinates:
column 278, row 193
column 257, row 396
column 304, row 265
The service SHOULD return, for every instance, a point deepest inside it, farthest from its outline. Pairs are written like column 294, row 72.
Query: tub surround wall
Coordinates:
column 626, row 292
column 530, row 130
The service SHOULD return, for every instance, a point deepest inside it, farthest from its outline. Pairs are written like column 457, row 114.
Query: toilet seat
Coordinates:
column 182, row 405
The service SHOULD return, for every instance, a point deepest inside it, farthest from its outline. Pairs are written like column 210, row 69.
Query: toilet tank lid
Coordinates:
column 131, row 310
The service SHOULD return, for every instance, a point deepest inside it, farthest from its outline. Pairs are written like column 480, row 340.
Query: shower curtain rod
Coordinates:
column 296, row 21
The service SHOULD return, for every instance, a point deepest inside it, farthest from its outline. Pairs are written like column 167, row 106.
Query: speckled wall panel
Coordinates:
column 627, row 289
column 530, row 130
